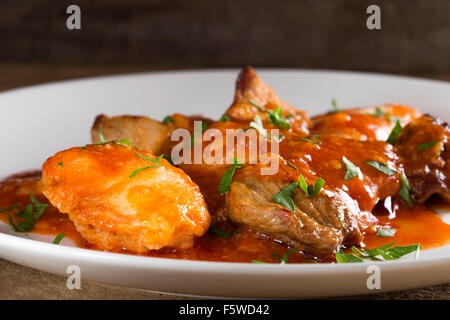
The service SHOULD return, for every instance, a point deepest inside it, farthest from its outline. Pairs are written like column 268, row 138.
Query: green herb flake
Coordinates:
column 28, row 215
column 285, row 258
column 103, row 142
column 303, row 185
column 258, row 126
column 283, row 197
column 258, row 262
column 427, row 145
column 40, row 207
column 224, row 118
column 196, row 133
column 392, row 139
column 219, row 233
column 257, row 105
column 400, row 251
column 386, row 252
column 334, row 105
column 277, row 118
column 386, row 232
column 347, row 258
column 310, row 190
column 100, row 133
column 352, row 170
column 381, row 167
column 60, row 164
column 309, row 138
column 227, row 177
column 292, row 165
column 378, row 113
column 168, row 119
column 168, row 158
column 125, row 142
column 313, row 191
column 58, row 238
column 13, row 207
column 405, row 191
column 157, row 161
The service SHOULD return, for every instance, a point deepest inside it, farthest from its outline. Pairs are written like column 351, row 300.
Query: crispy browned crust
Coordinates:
column 427, row 170
column 250, row 88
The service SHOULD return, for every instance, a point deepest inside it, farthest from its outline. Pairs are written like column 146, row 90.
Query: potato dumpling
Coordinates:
column 116, row 204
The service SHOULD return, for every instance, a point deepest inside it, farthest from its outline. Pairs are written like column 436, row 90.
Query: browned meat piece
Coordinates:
column 319, row 225
column 424, row 146
column 143, row 132
column 338, row 214
column 252, row 96
column 374, row 123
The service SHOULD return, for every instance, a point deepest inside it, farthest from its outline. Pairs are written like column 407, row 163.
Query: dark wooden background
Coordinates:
column 164, row 34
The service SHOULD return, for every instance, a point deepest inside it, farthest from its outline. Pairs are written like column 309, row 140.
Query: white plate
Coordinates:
column 36, row 122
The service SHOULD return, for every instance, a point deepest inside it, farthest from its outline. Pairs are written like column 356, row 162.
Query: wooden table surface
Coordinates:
column 18, row 282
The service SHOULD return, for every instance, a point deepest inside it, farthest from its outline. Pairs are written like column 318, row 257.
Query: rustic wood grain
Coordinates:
column 201, row 33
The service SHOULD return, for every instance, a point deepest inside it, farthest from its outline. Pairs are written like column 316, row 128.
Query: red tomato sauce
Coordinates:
column 418, row 225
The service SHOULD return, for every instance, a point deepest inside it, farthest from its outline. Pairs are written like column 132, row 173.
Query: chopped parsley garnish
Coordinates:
column 121, row 141
column 292, row 165
column 334, row 105
column 392, row 139
column 224, row 118
column 58, row 238
column 258, row 126
column 103, row 142
column 427, row 145
column 277, row 119
column 28, row 215
column 386, row 232
column 352, row 170
column 60, row 164
column 378, row 113
column 168, row 158
column 285, row 258
column 257, row 105
column 347, row 257
column 385, row 252
column 219, row 233
column 308, row 138
column 168, row 119
column 157, row 161
column 405, row 191
column 196, row 133
column 283, row 197
column 225, row 181
column 100, row 133
column 258, row 262
column 381, row 167
column 14, row 206
column 310, row 190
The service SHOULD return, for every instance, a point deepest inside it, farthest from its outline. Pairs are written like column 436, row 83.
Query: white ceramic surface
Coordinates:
column 36, row 122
